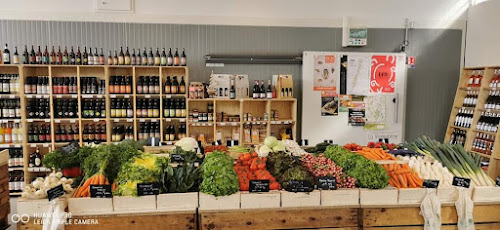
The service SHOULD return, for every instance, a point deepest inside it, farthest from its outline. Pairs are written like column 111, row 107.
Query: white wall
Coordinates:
column 483, row 35
column 316, row 13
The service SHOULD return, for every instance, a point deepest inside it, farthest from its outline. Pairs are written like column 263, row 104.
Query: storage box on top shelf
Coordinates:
column 450, row 194
column 220, row 84
column 125, row 204
column 283, row 84
column 209, row 202
column 177, row 201
column 87, row 206
column 300, row 199
column 412, row 195
column 270, row 199
column 486, row 194
column 242, row 86
column 385, row 196
column 38, row 206
column 340, row 197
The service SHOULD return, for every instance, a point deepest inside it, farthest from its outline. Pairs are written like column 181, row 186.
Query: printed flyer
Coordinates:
column 329, row 103
column 345, row 102
column 357, row 116
column 383, row 74
column 358, row 75
column 326, row 73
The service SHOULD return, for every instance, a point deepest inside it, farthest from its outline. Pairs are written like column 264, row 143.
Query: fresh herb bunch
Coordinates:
column 297, row 172
column 184, row 177
column 219, row 177
column 279, row 162
column 56, row 160
column 368, row 173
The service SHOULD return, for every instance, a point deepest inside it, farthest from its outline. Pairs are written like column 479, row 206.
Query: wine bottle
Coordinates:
column 170, row 58
column 127, row 57
column 6, row 55
column 183, row 57
column 177, row 60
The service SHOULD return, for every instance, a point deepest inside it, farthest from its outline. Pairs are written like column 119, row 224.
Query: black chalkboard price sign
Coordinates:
column 177, row 158
column 461, row 182
column 327, row 183
column 100, row 191
column 55, row 192
column 498, row 181
column 299, row 186
column 430, row 183
column 148, row 189
column 259, row 186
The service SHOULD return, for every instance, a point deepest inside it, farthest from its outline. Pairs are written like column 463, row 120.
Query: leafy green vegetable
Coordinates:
column 219, row 177
column 368, row 173
column 56, row 160
column 279, row 162
column 184, row 177
column 141, row 169
column 297, row 172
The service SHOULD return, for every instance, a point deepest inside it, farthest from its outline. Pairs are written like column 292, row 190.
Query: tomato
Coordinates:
column 253, row 167
column 261, row 166
column 246, row 157
column 274, row 186
column 359, row 148
column 255, row 154
column 347, row 146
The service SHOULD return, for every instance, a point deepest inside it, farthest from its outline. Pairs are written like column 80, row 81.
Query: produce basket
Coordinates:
column 177, row 201
column 300, row 199
column 385, row 196
column 127, row 204
column 209, row 202
column 270, row 199
column 340, row 197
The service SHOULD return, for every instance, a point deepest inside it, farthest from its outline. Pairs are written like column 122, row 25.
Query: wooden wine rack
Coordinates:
column 461, row 93
column 286, row 107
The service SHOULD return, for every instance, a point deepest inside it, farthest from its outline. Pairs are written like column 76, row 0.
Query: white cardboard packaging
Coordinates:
column 411, row 195
column 177, row 201
column 209, row 202
column 486, row 194
column 38, row 206
column 300, row 199
column 270, row 199
column 87, row 205
column 134, row 204
column 385, row 196
column 340, row 197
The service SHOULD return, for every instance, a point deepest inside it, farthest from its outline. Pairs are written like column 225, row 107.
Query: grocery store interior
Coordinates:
column 284, row 114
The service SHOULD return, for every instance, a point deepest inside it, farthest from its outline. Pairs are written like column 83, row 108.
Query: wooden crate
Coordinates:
column 32, row 206
column 270, row 199
column 486, row 194
column 386, row 196
column 87, row 205
column 340, row 197
column 412, row 195
column 300, row 199
column 448, row 195
column 177, row 201
column 209, row 202
column 128, row 204
column 283, row 218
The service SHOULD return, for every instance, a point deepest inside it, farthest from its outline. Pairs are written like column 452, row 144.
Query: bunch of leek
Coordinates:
column 453, row 157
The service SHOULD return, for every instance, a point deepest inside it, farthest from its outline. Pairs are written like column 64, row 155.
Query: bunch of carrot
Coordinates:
column 376, row 154
column 400, row 176
column 97, row 179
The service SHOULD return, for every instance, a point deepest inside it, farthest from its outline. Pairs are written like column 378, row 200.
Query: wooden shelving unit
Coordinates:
column 461, row 93
column 287, row 107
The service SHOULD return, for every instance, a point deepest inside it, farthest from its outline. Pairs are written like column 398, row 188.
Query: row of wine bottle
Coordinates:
column 10, row 109
column 88, row 58
column 9, row 83
column 11, row 133
column 483, row 143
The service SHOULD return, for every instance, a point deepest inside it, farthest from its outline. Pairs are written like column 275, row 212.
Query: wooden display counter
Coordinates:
column 4, row 189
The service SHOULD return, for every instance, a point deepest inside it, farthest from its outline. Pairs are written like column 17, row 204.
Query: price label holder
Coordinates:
column 177, row 158
column 55, row 192
column 430, row 184
column 259, row 186
column 100, row 191
column 299, row 186
column 498, row 181
column 148, row 189
column 327, row 183
column 461, row 182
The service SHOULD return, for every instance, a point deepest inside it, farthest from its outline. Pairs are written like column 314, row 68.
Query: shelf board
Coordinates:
column 475, row 88
column 228, row 123
column 464, row 107
column 94, row 119
column 481, row 154
column 61, row 143
column 255, row 122
column 282, row 122
column 16, row 168
column 38, row 120
column 120, row 95
column 71, row 120
column 201, row 124
column 85, row 96
column 458, row 127
column 8, row 96
column 7, row 120
column 487, row 132
column 253, row 143
column 39, row 169
column 174, row 95
column 65, row 96
column 34, row 145
column 175, row 119
column 148, row 119
column 490, row 110
column 15, row 193
column 10, row 146
column 147, row 95
column 117, row 120
column 38, row 96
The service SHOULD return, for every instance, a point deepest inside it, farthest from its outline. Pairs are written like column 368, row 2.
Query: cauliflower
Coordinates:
column 188, row 144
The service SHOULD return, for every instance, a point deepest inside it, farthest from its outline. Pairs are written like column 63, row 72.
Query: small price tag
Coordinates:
column 299, row 186
column 177, row 158
column 96, row 120
column 112, row 96
column 430, row 184
column 55, row 192
column 327, row 183
column 168, row 96
column 461, row 182
column 147, row 189
column 259, row 186
column 498, row 182
column 100, row 191
column 147, row 96
column 168, row 119
column 126, row 96
column 38, row 96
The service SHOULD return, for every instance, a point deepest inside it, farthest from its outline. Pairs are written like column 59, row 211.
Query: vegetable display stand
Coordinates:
column 284, row 218
column 177, row 201
column 407, row 217
column 87, row 205
column 4, row 189
column 479, row 90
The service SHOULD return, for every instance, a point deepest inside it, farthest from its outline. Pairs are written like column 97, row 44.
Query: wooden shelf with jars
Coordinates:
column 475, row 115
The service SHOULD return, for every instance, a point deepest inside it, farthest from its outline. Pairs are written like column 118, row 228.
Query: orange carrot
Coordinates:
column 402, row 181
column 401, row 171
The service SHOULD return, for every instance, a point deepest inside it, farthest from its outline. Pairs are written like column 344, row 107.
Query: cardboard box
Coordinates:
column 283, row 82
column 220, row 84
column 340, row 197
column 412, row 195
column 87, row 205
column 38, row 206
column 449, row 194
column 270, row 199
column 134, row 204
column 242, row 85
column 209, row 202
column 486, row 194
column 177, row 201
column 385, row 196
column 300, row 199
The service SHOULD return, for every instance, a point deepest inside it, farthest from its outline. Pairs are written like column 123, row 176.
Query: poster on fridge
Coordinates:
column 326, row 73
column 383, row 74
